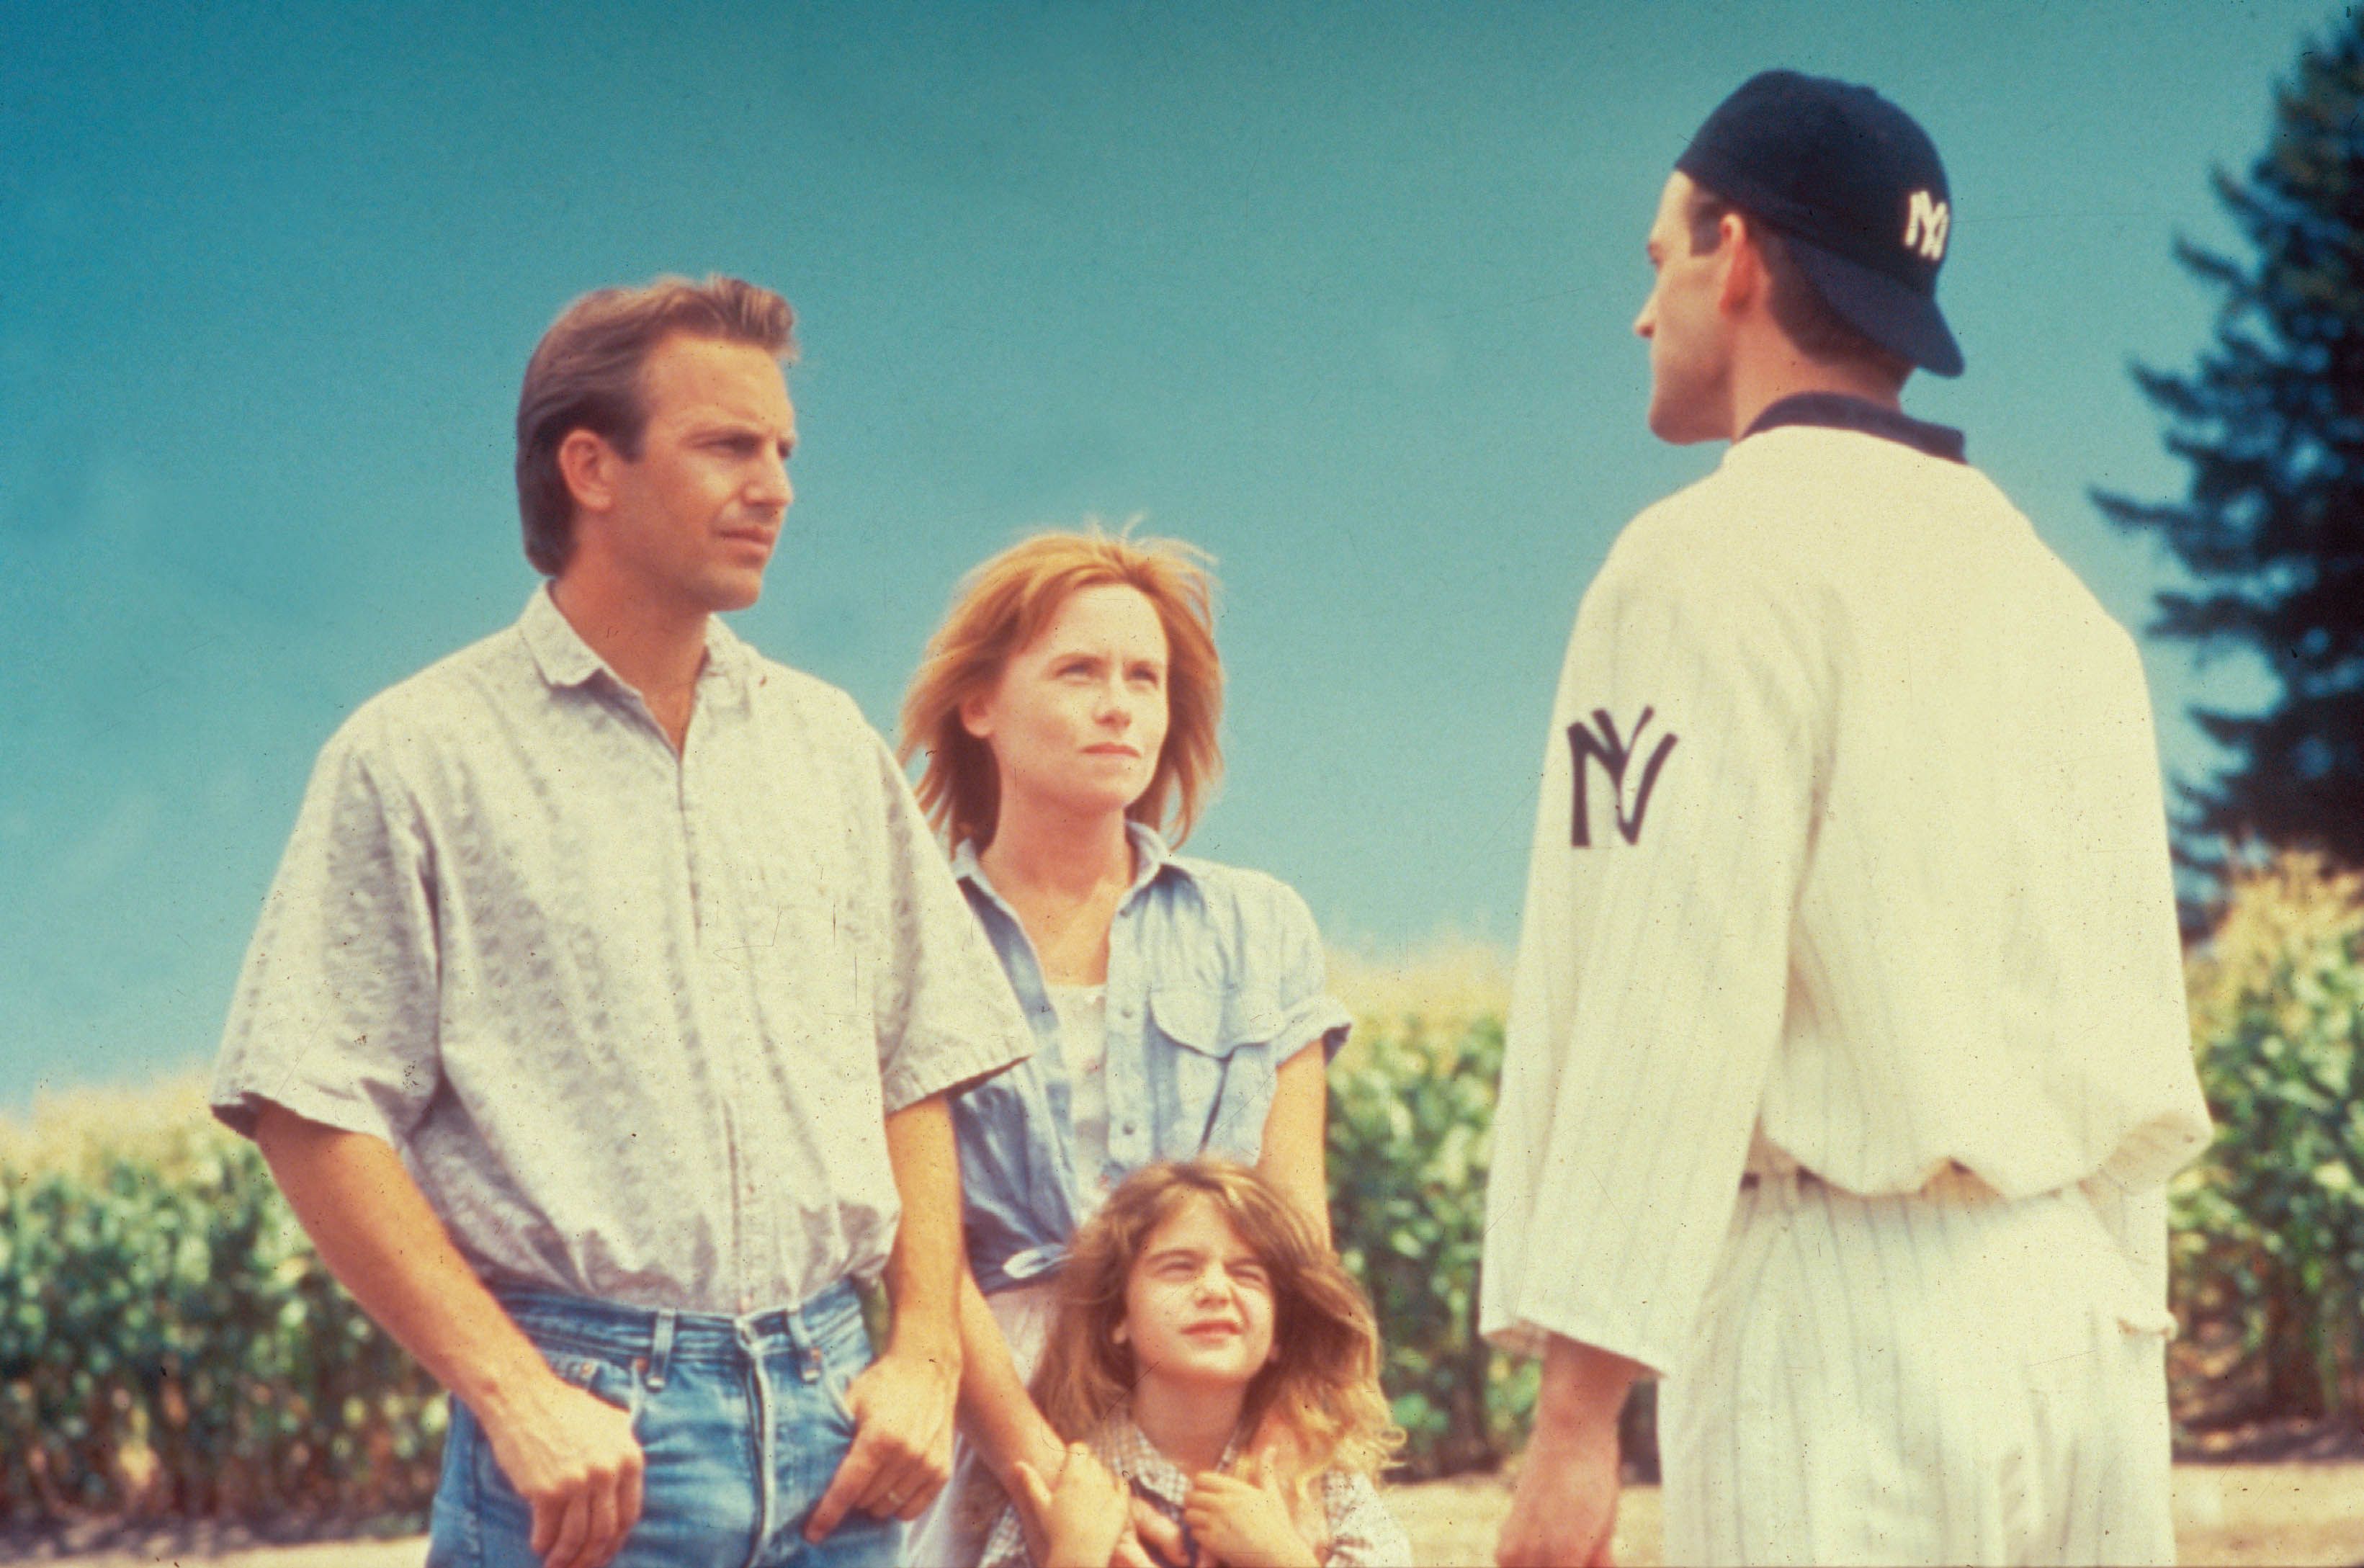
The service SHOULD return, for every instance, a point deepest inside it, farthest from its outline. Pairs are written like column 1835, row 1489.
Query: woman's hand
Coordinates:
column 1083, row 1511
column 1246, row 1523
column 1275, row 1451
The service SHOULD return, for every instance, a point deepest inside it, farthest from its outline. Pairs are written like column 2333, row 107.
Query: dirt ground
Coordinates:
column 2307, row 1513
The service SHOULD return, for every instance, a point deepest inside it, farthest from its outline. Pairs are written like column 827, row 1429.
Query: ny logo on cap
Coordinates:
column 1924, row 227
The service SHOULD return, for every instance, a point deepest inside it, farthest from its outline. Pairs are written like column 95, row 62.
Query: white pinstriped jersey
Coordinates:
column 1851, row 856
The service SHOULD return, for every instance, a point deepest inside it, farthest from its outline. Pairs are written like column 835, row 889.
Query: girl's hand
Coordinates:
column 1246, row 1523
column 1274, row 1452
column 1083, row 1513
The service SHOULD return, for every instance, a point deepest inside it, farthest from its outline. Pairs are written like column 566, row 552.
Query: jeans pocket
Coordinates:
column 844, row 1356
column 603, row 1377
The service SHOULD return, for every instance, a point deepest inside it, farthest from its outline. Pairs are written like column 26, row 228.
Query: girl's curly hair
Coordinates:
column 1322, row 1387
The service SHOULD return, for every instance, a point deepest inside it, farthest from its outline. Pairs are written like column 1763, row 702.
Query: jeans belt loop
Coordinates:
column 804, row 1334
column 661, row 1346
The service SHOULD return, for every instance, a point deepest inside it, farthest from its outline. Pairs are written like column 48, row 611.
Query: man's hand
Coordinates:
column 1564, row 1513
column 569, row 1454
column 1246, row 1523
column 1083, row 1512
column 571, row 1457
column 902, row 1451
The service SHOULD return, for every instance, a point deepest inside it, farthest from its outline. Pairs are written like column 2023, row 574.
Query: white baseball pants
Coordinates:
column 1946, row 1377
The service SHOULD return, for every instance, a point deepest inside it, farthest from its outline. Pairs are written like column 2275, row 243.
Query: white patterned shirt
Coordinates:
column 633, row 1018
column 1851, row 857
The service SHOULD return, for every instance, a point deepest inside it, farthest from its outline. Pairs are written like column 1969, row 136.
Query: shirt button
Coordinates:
column 1126, row 1129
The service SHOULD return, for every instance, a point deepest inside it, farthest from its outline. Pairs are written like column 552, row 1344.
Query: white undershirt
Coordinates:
column 1083, row 1042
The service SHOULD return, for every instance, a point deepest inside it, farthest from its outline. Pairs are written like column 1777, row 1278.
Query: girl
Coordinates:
column 1068, row 708
column 1197, row 1307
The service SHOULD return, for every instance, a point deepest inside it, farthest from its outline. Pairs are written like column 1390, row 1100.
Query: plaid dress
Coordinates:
column 1363, row 1534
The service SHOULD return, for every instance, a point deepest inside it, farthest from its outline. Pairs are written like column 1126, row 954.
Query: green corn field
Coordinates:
column 170, row 1346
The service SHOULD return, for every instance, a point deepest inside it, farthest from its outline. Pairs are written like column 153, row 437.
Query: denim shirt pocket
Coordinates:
column 1211, row 1070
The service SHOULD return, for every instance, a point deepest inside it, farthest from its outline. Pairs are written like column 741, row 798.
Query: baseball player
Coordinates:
column 1847, row 1052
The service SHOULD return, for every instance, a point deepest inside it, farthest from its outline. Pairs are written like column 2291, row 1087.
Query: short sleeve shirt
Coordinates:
column 1215, row 978
column 633, row 1018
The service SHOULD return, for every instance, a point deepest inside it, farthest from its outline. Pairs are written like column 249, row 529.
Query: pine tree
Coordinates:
column 2271, row 422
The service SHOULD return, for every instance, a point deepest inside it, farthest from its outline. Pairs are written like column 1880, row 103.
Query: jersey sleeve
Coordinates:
column 1647, row 999
column 335, row 1016
column 946, row 1014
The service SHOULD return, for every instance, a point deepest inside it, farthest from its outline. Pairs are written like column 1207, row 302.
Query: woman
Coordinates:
column 1068, row 708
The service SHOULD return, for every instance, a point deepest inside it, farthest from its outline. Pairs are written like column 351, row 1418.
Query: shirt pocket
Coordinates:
column 1211, row 1070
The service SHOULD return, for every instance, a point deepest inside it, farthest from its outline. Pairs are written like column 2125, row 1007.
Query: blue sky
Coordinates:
column 1341, row 293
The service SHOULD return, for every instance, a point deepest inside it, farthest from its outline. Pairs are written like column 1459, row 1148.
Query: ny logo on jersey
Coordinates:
column 1925, row 222
column 1587, row 745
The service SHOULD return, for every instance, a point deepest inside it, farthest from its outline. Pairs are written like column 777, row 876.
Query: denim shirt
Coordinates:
column 1214, row 979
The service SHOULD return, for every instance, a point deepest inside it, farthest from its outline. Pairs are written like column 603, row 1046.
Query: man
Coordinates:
column 601, row 1020
column 1847, row 1051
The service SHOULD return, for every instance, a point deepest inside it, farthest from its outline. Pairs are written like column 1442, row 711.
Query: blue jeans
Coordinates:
column 741, row 1421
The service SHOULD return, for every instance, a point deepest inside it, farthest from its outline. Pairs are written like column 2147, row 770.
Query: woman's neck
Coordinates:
column 1066, row 878
column 1055, row 855
column 1193, row 1426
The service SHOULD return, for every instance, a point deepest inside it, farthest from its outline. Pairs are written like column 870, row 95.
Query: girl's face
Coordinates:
column 1079, row 717
column 1198, row 1304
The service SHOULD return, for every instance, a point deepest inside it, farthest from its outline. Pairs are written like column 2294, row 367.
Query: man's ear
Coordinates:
column 588, row 464
column 1744, row 265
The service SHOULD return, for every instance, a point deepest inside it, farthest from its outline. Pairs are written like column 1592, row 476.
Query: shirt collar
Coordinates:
column 1839, row 411
column 565, row 659
column 1150, row 857
column 1125, row 1448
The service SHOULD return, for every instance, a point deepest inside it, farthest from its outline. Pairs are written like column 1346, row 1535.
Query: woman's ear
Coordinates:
column 976, row 715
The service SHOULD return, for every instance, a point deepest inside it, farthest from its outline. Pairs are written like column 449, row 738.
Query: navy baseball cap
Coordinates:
column 1856, row 187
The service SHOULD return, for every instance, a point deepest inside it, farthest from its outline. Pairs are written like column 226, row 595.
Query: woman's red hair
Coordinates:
column 1006, row 604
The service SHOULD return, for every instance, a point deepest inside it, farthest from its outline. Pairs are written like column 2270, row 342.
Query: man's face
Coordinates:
column 1691, row 356
column 693, row 519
